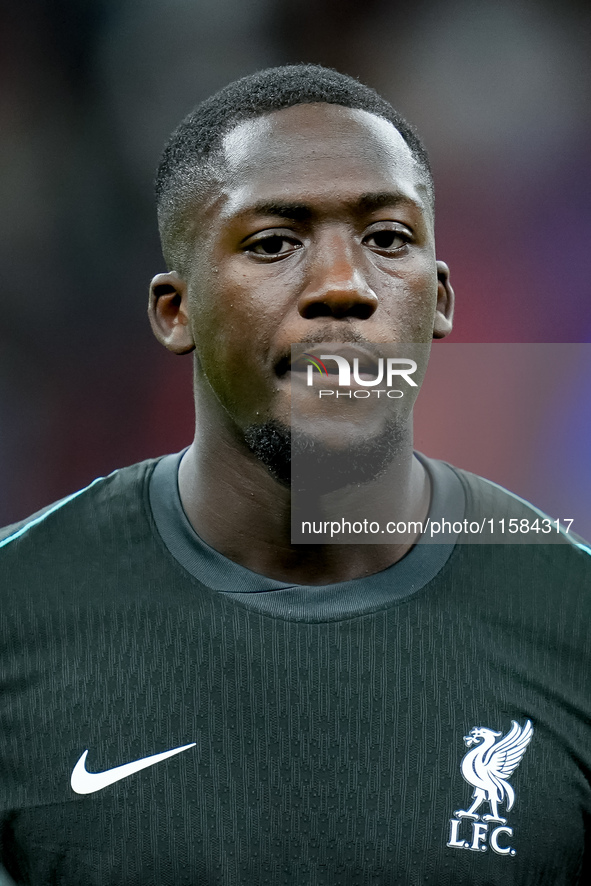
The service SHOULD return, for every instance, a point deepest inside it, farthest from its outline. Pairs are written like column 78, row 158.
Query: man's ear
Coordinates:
column 445, row 302
column 168, row 313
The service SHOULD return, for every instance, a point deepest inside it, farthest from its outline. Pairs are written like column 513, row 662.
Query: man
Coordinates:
column 190, row 697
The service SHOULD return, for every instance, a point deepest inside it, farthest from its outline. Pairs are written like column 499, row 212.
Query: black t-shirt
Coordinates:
column 430, row 724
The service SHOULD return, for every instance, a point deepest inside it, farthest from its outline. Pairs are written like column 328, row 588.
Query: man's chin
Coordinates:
column 310, row 465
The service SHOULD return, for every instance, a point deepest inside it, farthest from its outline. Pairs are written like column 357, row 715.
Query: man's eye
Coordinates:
column 386, row 239
column 273, row 245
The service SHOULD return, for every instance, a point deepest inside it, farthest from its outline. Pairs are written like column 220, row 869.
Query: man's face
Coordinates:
column 321, row 232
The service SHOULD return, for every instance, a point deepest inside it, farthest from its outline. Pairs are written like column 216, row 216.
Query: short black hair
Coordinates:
column 191, row 149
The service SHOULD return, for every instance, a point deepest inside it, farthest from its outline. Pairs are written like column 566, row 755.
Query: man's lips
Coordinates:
column 367, row 361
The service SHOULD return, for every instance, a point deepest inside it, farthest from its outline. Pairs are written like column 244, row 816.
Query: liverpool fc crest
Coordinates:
column 489, row 763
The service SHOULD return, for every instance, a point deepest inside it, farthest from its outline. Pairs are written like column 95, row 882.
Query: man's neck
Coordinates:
column 237, row 507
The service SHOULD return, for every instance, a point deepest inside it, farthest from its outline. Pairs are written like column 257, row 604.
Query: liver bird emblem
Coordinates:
column 488, row 766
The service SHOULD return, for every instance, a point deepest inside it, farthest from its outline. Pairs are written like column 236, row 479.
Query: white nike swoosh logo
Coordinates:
column 84, row 782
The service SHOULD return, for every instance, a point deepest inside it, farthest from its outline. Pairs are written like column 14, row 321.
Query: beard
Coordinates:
column 310, row 466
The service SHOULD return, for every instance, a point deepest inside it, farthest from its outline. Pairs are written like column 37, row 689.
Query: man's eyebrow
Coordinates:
column 292, row 211
column 369, row 202
column 299, row 212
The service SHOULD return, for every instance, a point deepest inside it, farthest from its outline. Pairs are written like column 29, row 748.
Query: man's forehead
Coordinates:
column 308, row 123
column 306, row 149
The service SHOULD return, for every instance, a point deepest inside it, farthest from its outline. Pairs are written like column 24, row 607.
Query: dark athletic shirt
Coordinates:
column 430, row 724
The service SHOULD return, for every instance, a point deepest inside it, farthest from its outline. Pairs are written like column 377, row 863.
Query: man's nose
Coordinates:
column 337, row 285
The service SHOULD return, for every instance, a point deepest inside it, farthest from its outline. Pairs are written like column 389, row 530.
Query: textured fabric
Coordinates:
column 326, row 751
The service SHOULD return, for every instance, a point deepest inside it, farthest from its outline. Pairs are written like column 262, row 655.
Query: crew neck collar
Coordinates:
column 305, row 602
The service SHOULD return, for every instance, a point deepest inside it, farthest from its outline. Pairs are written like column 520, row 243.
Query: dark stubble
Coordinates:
column 310, row 466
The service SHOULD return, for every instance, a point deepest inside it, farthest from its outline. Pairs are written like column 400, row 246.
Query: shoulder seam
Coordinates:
column 581, row 545
column 51, row 510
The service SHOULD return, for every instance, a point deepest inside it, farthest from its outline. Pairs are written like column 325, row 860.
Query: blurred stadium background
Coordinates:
column 500, row 91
